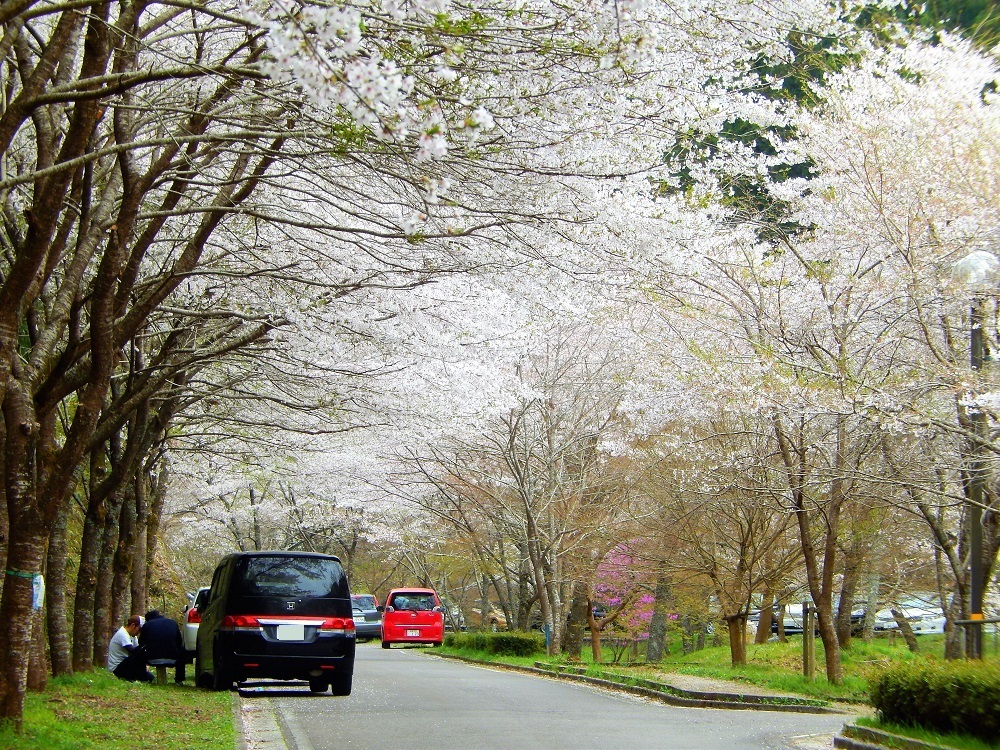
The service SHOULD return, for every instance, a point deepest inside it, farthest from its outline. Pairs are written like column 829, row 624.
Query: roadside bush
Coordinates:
column 962, row 697
column 511, row 643
column 516, row 644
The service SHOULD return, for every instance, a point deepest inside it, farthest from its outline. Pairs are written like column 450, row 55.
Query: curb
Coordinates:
column 691, row 700
column 676, row 696
column 260, row 720
column 241, row 739
column 763, row 702
column 866, row 738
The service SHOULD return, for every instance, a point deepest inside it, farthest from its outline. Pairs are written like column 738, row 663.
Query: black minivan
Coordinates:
column 277, row 615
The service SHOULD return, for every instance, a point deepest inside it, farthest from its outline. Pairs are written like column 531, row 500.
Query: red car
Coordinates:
column 412, row 615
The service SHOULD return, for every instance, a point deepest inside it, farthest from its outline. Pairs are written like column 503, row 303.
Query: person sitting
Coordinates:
column 161, row 639
column 126, row 660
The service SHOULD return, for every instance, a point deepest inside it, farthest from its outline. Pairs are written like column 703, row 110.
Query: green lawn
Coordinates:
column 777, row 666
column 96, row 710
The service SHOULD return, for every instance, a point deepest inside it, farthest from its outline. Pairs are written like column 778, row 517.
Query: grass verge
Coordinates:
column 956, row 741
column 96, row 710
column 778, row 666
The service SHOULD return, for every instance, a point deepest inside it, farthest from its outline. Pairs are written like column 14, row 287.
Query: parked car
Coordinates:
column 792, row 621
column 192, row 619
column 277, row 615
column 495, row 619
column 412, row 615
column 922, row 617
column 453, row 617
column 367, row 618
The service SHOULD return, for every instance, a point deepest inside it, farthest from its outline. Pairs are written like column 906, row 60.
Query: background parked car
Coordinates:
column 792, row 621
column 192, row 619
column 367, row 618
column 495, row 619
column 921, row 614
column 453, row 617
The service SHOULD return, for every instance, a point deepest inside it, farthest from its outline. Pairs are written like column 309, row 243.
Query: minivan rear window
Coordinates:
column 292, row 577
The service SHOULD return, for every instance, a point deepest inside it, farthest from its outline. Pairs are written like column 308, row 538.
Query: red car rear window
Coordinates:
column 414, row 602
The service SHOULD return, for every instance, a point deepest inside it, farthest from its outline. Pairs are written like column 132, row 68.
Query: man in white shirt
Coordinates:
column 125, row 660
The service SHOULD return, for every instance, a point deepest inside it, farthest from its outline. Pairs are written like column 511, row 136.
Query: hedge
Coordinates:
column 953, row 696
column 511, row 643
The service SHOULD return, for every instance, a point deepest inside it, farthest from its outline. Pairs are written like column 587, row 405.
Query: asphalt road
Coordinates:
column 406, row 699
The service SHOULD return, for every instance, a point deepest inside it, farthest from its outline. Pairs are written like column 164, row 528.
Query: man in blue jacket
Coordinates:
column 161, row 639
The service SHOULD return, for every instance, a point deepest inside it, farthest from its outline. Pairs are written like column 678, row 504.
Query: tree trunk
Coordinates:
column 871, row 606
column 87, row 573
column 25, row 557
column 738, row 639
column 138, row 576
column 124, row 558
column 906, row 630
column 831, row 645
column 766, row 617
column 38, row 664
column 577, row 619
column 60, row 646
column 846, row 604
column 657, row 645
column 104, row 626
column 153, row 525
column 595, row 634
column 4, row 527
column 26, row 552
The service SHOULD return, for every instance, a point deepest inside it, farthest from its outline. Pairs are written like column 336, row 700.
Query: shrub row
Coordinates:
column 954, row 696
column 511, row 643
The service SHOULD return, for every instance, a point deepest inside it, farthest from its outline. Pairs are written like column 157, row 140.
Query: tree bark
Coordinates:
column 38, row 664
column 657, row 645
column 906, row 630
column 737, row 625
column 848, row 588
column 88, row 572
column 763, row 633
column 577, row 620
column 138, row 575
column 124, row 557
column 104, row 627
column 60, row 645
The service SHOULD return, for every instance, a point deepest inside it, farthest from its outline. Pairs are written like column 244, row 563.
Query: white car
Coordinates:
column 192, row 618
column 921, row 617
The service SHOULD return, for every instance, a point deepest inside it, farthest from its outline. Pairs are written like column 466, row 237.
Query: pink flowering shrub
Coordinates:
column 619, row 580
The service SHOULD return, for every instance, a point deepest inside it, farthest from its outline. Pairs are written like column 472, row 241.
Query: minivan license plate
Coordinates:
column 294, row 632
column 412, row 633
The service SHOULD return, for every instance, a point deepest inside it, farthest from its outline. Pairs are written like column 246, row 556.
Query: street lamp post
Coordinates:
column 979, row 271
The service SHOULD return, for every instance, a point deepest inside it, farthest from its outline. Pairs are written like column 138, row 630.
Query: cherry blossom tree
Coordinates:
column 845, row 334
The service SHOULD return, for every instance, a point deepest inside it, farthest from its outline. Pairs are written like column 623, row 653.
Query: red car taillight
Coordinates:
column 240, row 622
column 337, row 625
column 194, row 616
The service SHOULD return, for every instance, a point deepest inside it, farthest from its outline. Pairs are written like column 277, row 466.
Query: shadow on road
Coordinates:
column 277, row 689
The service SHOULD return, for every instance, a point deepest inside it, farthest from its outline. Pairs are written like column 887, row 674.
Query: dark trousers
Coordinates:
column 179, row 673
column 133, row 669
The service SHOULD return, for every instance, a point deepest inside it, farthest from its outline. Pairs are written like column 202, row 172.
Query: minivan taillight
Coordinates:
column 240, row 622
column 194, row 616
column 337, row 626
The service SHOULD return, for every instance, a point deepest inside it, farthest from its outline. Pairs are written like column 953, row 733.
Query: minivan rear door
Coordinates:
column 288, row 601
